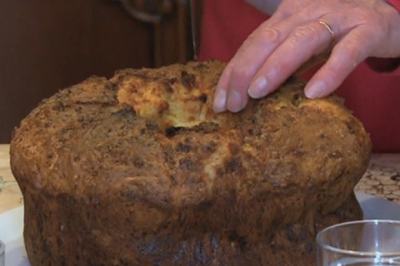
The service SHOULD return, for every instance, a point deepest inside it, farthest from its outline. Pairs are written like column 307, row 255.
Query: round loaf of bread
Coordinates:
column 138, row 170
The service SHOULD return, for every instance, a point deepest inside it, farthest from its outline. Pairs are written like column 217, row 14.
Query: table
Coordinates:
column 382, row 179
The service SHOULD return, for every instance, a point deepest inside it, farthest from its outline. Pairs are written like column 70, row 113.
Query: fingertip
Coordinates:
column 219, row 103
column 315, row 90
column 236, row 101
column 258, row 88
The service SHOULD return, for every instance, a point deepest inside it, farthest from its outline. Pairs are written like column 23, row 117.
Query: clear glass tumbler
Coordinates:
column 2, row 254
column 359, row 243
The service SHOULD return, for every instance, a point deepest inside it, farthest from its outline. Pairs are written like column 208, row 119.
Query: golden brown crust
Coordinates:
column 143, row 153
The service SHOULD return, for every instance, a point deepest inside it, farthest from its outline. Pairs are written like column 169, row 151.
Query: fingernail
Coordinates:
column 235, row 101
column 315, row 90
column 258, row 88
column 219, row 104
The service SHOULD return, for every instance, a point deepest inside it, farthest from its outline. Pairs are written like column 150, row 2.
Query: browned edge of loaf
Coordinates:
column 147, row 140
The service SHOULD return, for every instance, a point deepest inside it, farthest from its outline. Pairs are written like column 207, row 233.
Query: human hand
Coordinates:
column 294, row 34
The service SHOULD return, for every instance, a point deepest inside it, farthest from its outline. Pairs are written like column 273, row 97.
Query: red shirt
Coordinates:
column 372, row 91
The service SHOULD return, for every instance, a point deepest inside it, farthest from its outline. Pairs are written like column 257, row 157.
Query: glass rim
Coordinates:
column 354, row 252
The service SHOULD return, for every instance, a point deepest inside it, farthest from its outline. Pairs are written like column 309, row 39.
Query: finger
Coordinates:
column 250, row 58
column 220, row 95
column 246, row 62
column 354, row 48
column 302, row 44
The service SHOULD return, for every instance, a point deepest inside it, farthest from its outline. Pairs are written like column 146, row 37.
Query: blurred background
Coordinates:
column 47, row 45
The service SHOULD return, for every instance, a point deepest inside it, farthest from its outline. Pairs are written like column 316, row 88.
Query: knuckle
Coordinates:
column 241, row 72
column 302, row 34
column 349, row 50
column 248, row 42
column 271, row 35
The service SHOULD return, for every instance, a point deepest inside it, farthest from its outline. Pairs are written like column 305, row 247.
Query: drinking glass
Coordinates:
column 2, row 254
column 359, row 243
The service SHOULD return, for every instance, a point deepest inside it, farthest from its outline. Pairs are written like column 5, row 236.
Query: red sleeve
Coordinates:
column 386, row 65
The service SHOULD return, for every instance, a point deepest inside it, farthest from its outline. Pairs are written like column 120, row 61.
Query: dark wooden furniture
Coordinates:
column 47, row 45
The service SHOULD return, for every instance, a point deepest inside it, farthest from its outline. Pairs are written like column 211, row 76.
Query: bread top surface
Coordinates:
column 150, row 135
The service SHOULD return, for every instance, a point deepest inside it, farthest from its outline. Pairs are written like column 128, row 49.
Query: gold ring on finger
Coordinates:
column 329, row 28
